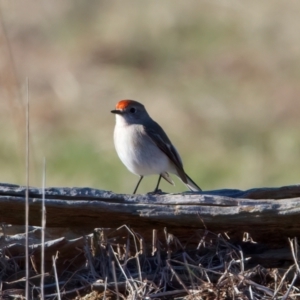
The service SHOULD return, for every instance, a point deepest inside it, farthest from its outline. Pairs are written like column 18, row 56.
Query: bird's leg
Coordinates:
column 141, row 177
column 158, row 182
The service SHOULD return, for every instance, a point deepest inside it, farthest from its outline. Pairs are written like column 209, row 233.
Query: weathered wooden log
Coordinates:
column 265, row 213
column 272, row 213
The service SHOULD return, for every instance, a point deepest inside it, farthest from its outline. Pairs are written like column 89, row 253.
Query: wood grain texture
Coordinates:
column 265, row 213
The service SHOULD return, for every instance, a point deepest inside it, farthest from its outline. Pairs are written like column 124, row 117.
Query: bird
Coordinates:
column 144, row 147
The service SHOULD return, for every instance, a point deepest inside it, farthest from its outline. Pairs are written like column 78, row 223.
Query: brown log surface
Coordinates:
column 265, row 213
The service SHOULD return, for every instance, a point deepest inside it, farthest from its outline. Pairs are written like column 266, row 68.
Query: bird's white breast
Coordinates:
column 137, row 151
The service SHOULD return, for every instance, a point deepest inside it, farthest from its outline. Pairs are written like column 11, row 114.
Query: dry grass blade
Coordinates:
column 250, row 292
column 115, row 279
column 136, row 250
column 290, row 287
column 177, row 277
column 282, row 282
column 43, row 233
column 242, row 261
column 294, row 249
column 27, row 195
column 105, row 287
column 257, row 286
column 168, row 294
column 216, row 270
column 71, row 291
column 88, row 255
column 54, row 258
column 154, row 241
column 121, row 268
column 142, row 246
column 189, row 270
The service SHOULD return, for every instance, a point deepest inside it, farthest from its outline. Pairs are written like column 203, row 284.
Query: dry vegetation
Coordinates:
column 121, row 264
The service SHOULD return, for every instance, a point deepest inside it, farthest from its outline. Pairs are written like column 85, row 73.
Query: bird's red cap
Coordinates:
column 121, row 105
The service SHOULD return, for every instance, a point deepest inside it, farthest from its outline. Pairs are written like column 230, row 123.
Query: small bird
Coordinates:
column 143, row 146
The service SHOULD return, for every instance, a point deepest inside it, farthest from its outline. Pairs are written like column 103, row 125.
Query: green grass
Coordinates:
column 222, row 79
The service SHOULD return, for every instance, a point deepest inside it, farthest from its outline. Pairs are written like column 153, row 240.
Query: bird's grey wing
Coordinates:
column 164, row 144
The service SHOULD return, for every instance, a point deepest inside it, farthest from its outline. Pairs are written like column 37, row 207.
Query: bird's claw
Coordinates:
column 158, row 191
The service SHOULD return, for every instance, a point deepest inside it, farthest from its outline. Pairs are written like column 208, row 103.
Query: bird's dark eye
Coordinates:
column 132, row 110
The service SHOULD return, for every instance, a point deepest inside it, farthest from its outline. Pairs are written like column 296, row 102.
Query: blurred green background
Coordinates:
column 221, row 77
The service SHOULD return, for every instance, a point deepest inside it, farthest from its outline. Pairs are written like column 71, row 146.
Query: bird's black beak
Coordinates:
column 115, row 111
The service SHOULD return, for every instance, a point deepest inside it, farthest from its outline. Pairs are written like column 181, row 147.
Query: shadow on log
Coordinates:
column 269, row 215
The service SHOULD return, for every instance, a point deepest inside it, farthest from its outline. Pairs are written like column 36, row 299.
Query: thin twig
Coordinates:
column 242, row 261
column 27, row 194
column 188, row 270
column 294, row 248
column 136, row 250
column 115, row 278
column 122, row 270
column 105, row 287
column 89, row 258
column 177, row 277
column 282, row 281
column 291, row 286
column 154, row 241
column 54, row 258
column 250, row 292
column 260, row 287
column 43, row 232
column 58, row 295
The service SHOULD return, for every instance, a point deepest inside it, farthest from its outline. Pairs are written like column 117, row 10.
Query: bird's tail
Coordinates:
column 192, row 185
column 167, row 177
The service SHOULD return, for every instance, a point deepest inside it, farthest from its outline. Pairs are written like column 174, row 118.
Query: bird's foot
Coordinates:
column 156, row 191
